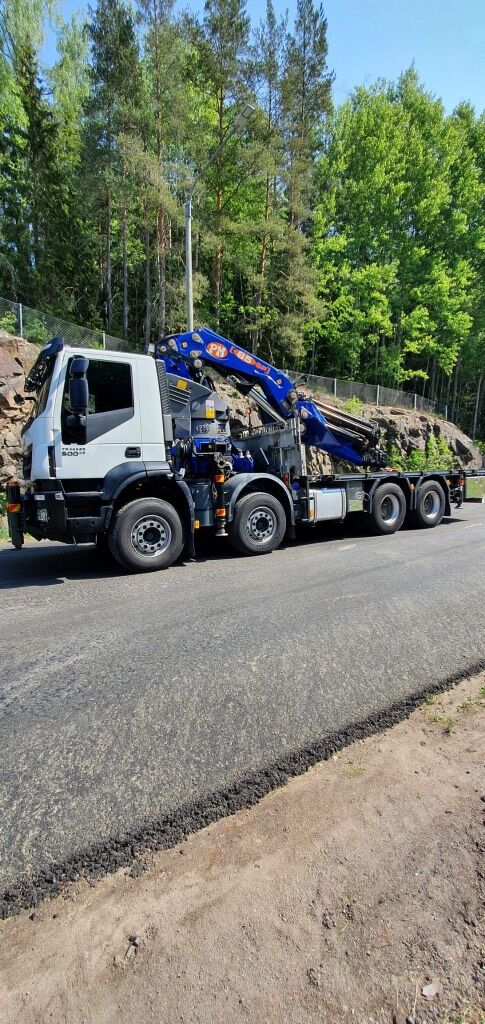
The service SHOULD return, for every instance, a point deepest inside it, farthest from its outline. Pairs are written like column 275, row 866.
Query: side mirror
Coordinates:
column 78, row 386
column 76, row 422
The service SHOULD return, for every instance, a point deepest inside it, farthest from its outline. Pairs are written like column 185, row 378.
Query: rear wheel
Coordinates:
column 388, row 509
column 430, row 505
column 259, row 524
column 146, row 535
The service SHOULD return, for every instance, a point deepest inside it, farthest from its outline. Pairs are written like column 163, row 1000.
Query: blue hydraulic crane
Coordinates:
column 348, row 438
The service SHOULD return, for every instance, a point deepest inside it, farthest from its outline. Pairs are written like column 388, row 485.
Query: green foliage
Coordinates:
column 437, row 455
column 36, row 331
column 348, row 243
column 395, row 457
column 8, row 322
column 416, row 461
column 353, row 405
column 445, row 456
column 398, row 242
column 4, row 534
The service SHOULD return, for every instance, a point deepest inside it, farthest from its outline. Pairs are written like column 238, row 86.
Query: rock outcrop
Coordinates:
column 409, row 431
column 16, row 358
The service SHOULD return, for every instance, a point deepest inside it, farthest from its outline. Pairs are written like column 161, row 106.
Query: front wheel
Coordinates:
column 259, row 524
column 146, row 535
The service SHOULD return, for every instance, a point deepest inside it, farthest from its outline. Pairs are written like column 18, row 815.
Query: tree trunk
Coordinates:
column 109, row 269
column 432, row 388
column 455, row 392
column 161, row 268
column 218, row 260
column 258, row 298
column 477, row 407
column 148, row 287
column 447, row 400
column 218, row 224
column 125, row 274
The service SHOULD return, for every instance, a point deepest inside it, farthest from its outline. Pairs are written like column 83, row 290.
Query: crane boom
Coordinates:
column 345, row 437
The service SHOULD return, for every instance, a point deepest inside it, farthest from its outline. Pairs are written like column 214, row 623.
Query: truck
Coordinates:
column 137, row 453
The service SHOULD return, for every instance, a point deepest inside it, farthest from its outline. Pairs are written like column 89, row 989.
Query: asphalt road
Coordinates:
column 123, row 697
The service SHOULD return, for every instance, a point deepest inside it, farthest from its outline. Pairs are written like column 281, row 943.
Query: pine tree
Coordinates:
column 267, row 55
column 306, row 102
column 221, row 76
column 115, row 78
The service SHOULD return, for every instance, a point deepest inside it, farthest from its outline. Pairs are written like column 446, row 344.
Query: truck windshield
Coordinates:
column 43, row 394
column 38, row 381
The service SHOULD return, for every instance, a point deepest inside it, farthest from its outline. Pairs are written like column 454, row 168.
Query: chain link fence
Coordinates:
column 370, row 394
column 39, row 328
column 31, row 324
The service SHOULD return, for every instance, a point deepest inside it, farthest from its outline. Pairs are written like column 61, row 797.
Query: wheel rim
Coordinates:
column 390, row 509
column 261, row 525
column 151, row 536
column 431, row 504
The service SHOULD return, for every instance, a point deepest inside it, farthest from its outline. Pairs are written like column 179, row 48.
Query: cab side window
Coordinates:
column 110, row 398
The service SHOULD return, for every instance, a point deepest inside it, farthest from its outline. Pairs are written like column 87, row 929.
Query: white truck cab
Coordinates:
column 124, row 418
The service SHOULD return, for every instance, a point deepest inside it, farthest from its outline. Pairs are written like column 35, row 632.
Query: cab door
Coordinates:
column 112, row 422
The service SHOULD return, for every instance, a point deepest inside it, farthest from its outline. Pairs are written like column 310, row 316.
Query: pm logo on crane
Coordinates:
column 216, row 350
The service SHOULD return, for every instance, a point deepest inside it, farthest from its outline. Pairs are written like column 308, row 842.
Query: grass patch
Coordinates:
column 472, row 704
column 469, row 1016
column 353, row 770
column 448, row 723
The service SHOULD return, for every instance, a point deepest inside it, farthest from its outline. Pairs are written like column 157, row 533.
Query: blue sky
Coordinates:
column 371, row 39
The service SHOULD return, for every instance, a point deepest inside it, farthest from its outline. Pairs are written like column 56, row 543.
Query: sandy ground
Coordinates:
column 338, row 898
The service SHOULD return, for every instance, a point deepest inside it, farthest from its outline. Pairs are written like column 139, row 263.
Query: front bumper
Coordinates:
column 45, row 515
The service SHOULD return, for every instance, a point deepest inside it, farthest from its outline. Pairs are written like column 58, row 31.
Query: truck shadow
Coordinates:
column 53, row 564
column 50, row 565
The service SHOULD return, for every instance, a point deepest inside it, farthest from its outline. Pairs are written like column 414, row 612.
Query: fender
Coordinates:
column 118, row 478
column 188, row 514
column 401, row 481
column 249, row 481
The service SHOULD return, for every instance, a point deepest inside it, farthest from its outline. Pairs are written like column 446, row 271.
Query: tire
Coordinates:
column 388, row 509
column 146, row 535
column 259, row 524
column 430, row 505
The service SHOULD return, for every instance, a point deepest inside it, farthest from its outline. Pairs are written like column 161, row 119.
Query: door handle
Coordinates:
column 133, row 452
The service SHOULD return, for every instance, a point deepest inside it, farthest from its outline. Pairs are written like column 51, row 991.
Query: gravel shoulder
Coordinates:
column 339, row 897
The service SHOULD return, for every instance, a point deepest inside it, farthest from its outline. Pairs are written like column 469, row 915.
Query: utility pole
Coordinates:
column 239, row 124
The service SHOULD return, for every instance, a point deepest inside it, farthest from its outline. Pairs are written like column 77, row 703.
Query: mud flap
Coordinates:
column 15, row 516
